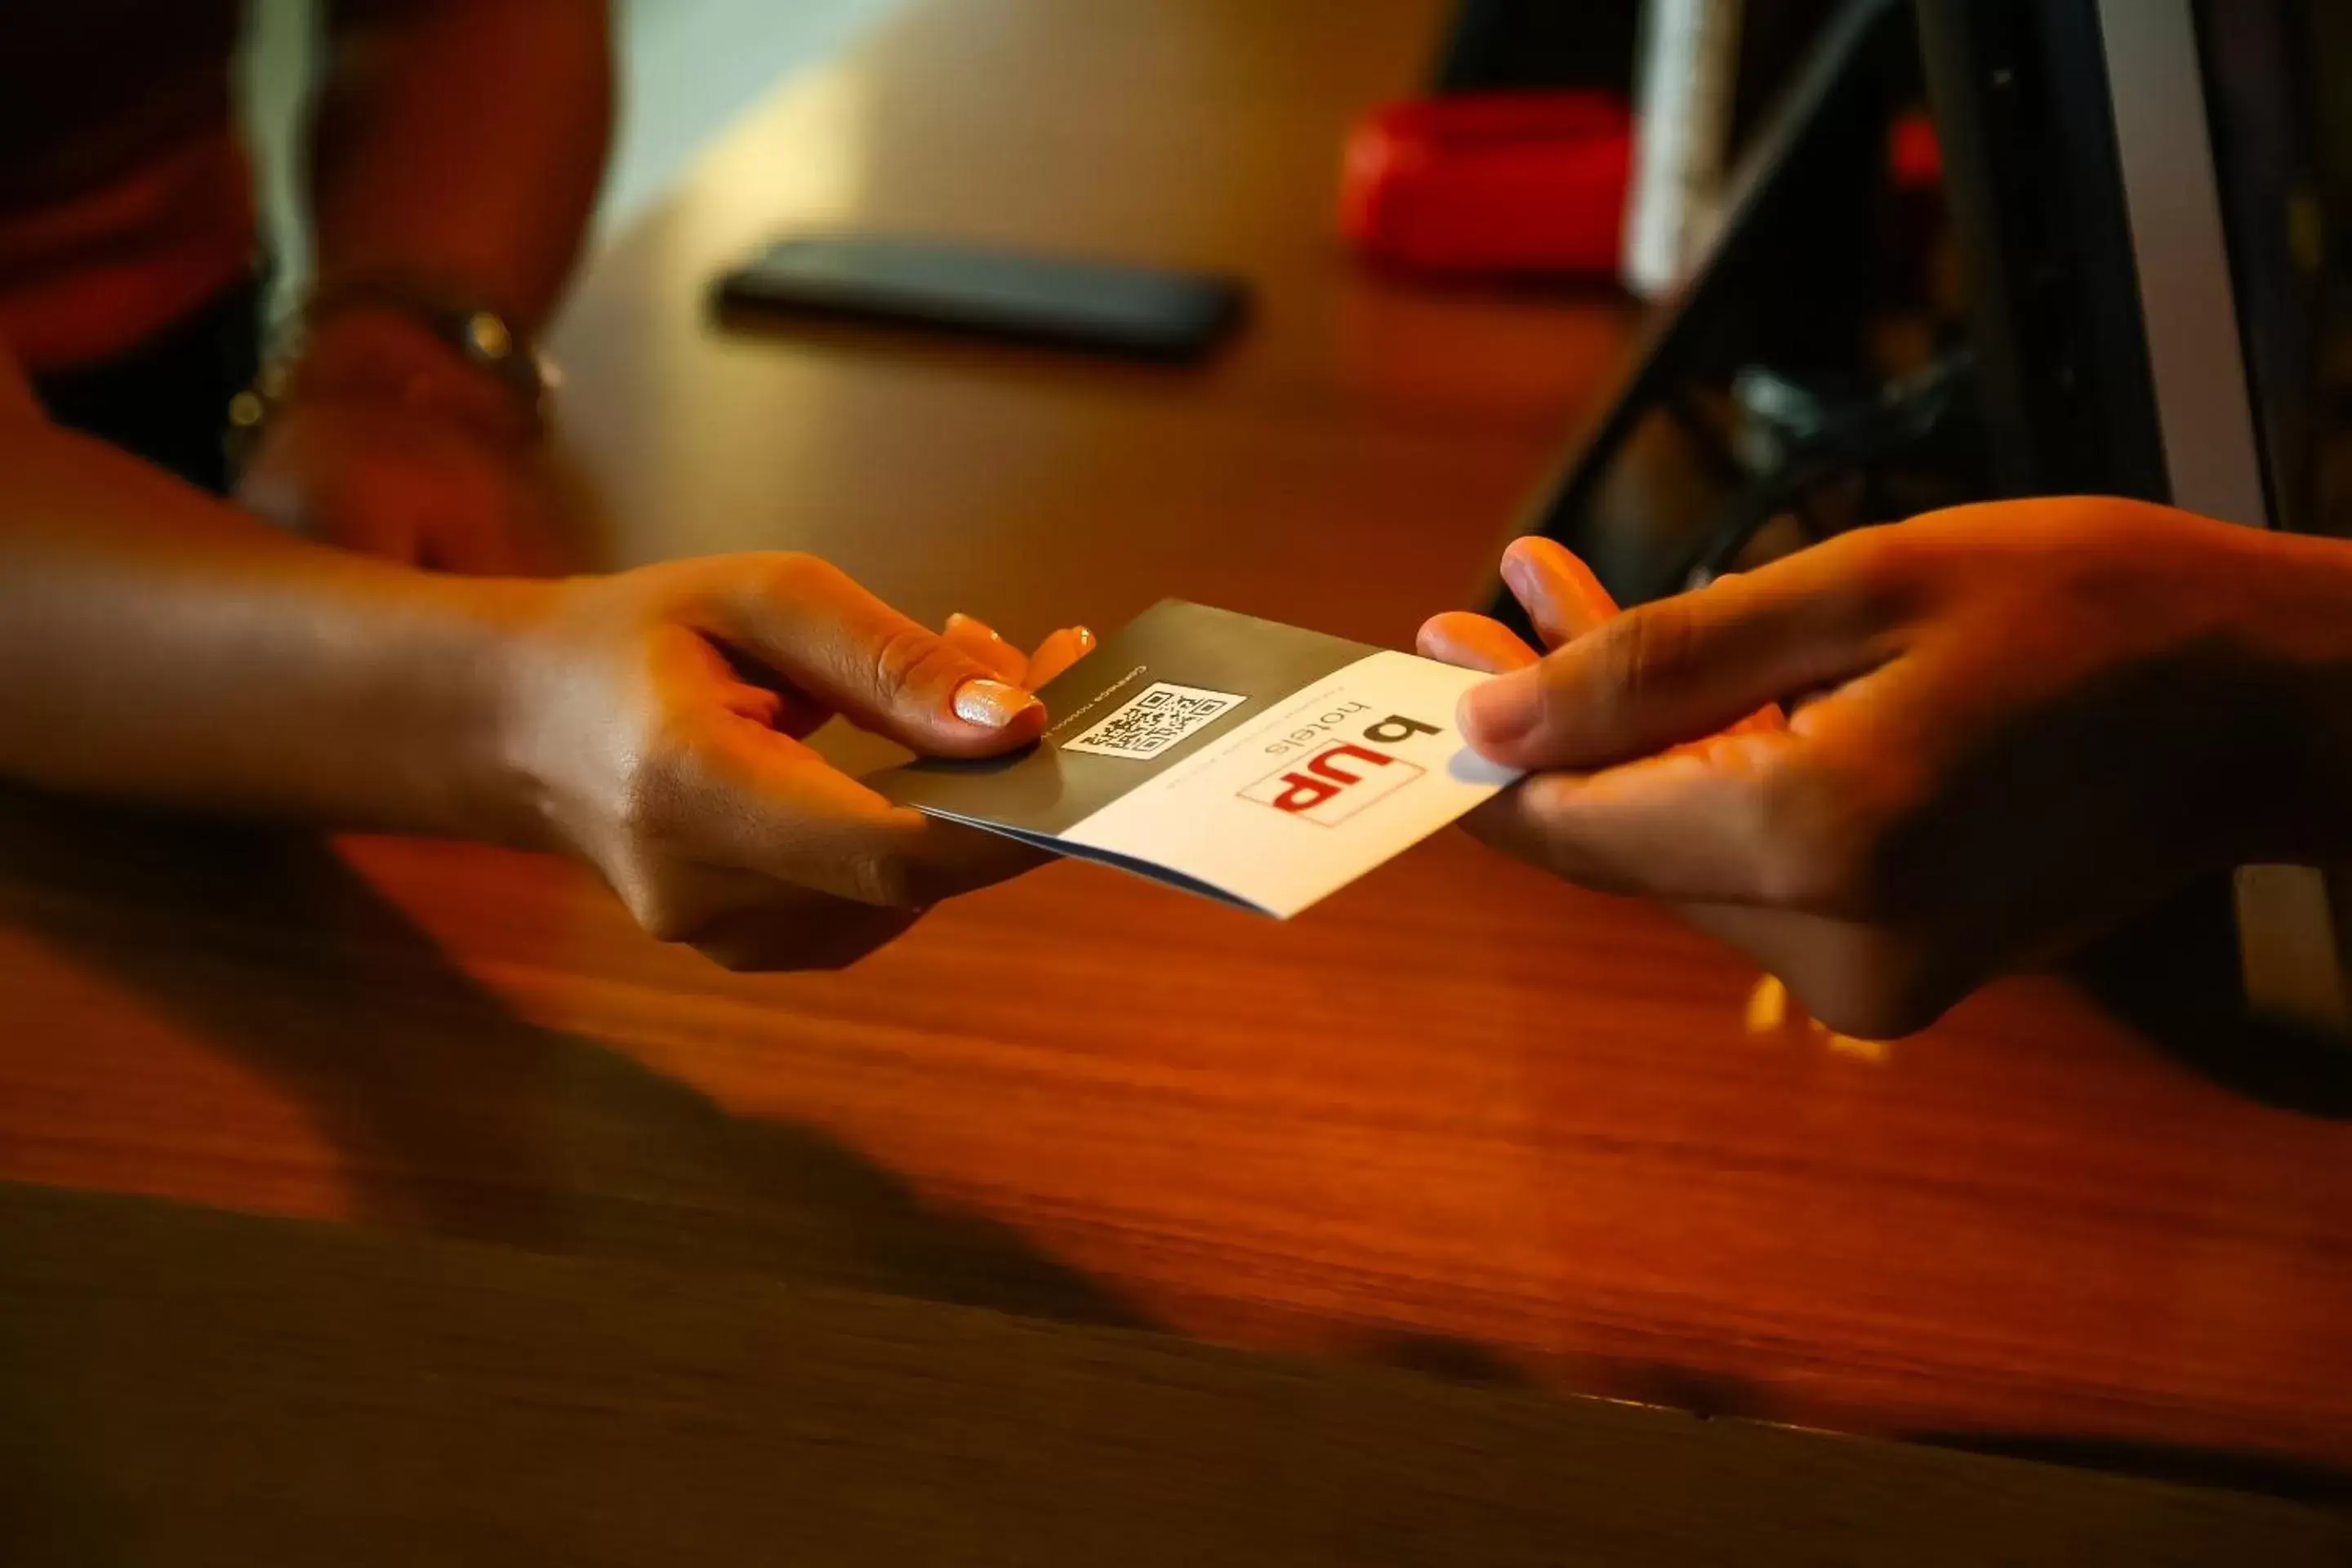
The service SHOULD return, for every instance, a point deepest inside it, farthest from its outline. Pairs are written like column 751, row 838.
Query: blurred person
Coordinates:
column 157, row 643
column 1896, row 765
column 453, row 152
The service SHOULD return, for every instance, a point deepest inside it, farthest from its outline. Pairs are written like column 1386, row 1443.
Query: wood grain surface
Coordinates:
column 1460, row 1118
column 198, row 1388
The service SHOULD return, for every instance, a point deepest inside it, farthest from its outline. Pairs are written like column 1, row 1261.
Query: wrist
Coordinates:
column 473, row 688
column 367, row 354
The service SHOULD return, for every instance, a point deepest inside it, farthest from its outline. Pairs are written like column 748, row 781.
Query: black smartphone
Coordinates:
column 1102, row 307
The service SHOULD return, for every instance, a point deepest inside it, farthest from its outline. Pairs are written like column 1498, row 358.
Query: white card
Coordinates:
column 1253, row 761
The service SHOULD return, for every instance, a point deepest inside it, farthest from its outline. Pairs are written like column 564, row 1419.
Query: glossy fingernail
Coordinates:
column 992, row 704
column 1085, row 638
column 1517, row 576
column 961, row 620
column 1500, row 711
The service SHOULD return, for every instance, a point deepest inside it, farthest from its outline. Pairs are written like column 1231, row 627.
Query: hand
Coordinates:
column 409, row 484
column 2007, row 727
column 655, row 721
column 1060, row 650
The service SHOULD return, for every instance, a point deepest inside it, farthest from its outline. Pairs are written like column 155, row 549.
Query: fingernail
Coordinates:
column 1086, row 638
column 1500, row 711
column 1515, row 574
column 992, row 704
column 959, row 619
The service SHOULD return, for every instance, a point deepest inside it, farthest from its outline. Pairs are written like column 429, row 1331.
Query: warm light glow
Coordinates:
column 1767, row 1007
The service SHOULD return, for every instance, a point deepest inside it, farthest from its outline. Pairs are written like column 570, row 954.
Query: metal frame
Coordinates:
column 2081, row 170
column 1835, row 105
column 2288, row 943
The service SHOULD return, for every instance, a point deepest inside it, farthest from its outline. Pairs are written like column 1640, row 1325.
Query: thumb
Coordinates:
column 809, row 622
column 1675, row 670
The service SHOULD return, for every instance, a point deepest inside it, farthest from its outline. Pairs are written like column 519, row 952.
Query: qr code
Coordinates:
column 1154, row 719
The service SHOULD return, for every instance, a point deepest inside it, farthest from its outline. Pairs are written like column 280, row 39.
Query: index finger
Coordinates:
column 1674, row 671
column 1057, row 653
column 1474, row 642
column 737, row 792
column 816, row 626
column 1563, row 597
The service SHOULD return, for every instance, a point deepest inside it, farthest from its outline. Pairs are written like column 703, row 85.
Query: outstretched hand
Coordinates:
column 658, row 719
column 1917, row 756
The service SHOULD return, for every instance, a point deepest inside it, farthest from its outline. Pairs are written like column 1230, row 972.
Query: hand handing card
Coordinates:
column 1250, row 760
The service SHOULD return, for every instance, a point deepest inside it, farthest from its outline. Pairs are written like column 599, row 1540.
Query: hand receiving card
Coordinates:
column 1252, row 762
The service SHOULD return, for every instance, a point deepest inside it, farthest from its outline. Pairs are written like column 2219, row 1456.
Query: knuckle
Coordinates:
column 1887, row 569
column 2111, row 529
column 886, row 882
column 1889, row 572
column 795, row 574
column 1634, row 659
column 650, row 804
column 911, row 659
column 1654, row 648
column 1885, row 557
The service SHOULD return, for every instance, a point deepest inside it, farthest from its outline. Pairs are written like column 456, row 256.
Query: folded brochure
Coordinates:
column 1255, row 763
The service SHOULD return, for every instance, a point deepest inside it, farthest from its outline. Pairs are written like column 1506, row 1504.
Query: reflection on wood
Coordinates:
column 1460, row 1117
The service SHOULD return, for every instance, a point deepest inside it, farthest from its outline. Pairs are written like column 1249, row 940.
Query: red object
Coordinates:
column 1914, row 157
column 1521, row 182
column 1491, row 183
